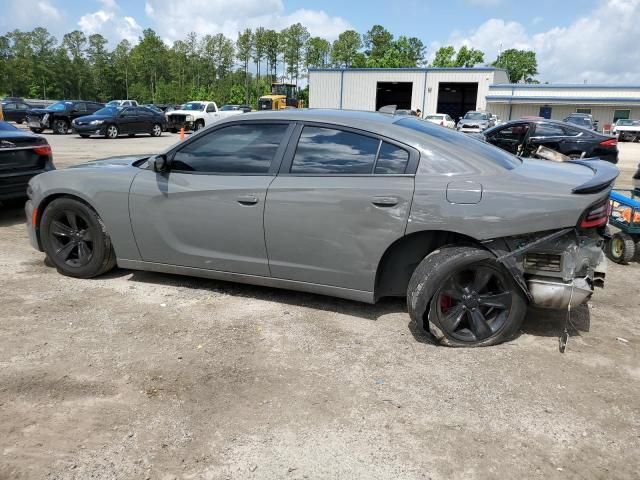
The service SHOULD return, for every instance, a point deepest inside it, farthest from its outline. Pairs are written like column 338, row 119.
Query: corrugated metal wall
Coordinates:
column 359, row 86
column 604, row 114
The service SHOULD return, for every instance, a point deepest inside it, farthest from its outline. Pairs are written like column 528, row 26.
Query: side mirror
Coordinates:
column 160, row 163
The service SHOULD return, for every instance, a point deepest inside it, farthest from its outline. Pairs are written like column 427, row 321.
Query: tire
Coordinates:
column 111, row 131
column 621, row 248
column 84, row 135
column 36, row 130
column 60, row 126
column 156, row 130
column 19, row 122
column 198, row 125
column 75, row 240
column 465, row 298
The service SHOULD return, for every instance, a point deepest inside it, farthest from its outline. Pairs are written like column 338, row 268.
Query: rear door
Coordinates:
column 207, row 212
column 341, row 198
column 128, row 120
column 509, row 137
column 546, row 134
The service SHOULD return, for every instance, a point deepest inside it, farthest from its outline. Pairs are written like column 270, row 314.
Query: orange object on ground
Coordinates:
column 182, row 133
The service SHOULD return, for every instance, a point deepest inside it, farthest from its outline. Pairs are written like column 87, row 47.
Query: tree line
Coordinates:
column 35, row 64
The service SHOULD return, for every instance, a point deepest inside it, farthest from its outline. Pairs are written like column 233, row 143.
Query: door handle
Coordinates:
column 247, row 199
column 384, row 201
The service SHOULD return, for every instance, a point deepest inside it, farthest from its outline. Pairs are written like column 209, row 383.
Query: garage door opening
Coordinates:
column 394, row 93
column 456, row 99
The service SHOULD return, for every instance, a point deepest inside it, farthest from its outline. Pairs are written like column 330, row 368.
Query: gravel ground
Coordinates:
column 143, row 375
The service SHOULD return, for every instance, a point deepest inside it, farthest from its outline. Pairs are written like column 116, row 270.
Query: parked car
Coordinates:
column 441, row 119
column 59, row 116
column 22, row 155
column 122, row 103
column 583, row 120
column 192, row 116
column 110, row 122
column 523, row 137
column 496, row 120
column 12, row 99
column 358, row 205
column 15, row 110
column 475, row 122
column 235, row 107
column 626, row 129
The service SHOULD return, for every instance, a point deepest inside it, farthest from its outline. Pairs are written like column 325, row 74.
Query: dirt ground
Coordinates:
column 140, row 375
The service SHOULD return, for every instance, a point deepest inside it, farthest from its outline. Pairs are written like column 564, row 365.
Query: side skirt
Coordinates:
column 347, row 293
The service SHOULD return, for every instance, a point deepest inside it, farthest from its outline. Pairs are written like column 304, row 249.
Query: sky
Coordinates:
column 576, row 41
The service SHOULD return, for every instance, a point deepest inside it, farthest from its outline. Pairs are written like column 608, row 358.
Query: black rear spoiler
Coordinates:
column 604, row 174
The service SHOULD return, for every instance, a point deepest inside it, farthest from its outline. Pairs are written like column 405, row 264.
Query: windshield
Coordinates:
column 628, row 122
column 107, row 111
column 58, row 107
column 476, row 116
column 192, row 106
column 226, row 108
column 4, row 126
column 113, row 103
column 459, row 145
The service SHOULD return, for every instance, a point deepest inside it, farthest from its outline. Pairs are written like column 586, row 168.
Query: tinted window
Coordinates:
column 81, row 107
column 572, row 132
column 548, row 130
column 9, row 106
column 145, row 112
column 512, row 132
column 211, row 108
column 242, row 149
column 391, row 159
column 460, row 146
column 329, row 151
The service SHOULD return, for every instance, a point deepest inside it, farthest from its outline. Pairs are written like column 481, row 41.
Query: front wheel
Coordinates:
column 156, row 130
column 466, row 297
column 61, row 127
column 74, row 240
column 198, row 125
column 111, row 131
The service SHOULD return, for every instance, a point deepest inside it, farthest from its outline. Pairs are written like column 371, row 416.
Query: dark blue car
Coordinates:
column 110, row 122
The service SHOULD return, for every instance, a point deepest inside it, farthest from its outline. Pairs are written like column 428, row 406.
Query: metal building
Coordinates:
column 607, row 103
column 433, row 90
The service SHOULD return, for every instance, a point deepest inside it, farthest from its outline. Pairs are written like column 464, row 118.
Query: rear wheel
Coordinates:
column 621, row 248
column 60, row 126
column 111, row 131
column 466, row 297
column 156, row 130
column 74, row 239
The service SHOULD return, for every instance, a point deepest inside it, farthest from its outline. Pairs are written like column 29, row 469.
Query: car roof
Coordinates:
column 544, row 120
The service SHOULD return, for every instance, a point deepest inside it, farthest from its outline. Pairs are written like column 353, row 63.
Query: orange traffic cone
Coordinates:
column 182, row 134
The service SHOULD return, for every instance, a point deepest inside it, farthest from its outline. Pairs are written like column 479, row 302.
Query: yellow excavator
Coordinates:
column 282, row 95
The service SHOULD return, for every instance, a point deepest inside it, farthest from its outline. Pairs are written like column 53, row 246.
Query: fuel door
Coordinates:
column 464, row 192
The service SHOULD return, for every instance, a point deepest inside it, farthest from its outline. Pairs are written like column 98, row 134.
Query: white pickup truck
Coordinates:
column 627, row 129
column 196, row 115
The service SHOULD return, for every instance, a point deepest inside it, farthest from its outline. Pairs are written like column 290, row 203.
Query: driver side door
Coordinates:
column 207, row 211
column 510, row 137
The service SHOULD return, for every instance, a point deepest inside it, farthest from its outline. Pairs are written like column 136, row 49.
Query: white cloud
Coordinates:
column 20, row 14
column 109, row 22
column 598, row 47
column 175, row 19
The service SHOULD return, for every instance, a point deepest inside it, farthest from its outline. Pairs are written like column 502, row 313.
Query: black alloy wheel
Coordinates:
column 61, row 127
column 474, row 303
column 156, row 130
column 71, row 238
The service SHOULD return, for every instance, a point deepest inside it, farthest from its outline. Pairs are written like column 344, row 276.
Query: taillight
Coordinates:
column 43, row 150
column 612, row 142
column 596, row 215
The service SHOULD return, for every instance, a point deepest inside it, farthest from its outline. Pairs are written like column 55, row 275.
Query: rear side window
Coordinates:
column 329, row 151
column 236, row 149
column 391, row 160
column 548, row 130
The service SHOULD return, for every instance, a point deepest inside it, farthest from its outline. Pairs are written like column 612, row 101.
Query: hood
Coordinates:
column 185, row 112
column 88, row 118
column 38, row 111
column 473, row 122
column 122, row 161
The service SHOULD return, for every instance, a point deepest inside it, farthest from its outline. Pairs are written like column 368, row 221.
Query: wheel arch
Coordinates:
column 401, row 258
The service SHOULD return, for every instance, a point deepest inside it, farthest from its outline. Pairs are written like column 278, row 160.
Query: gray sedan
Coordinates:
column 350, row 204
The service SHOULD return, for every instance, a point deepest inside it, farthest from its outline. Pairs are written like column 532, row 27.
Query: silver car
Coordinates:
column 350, row 204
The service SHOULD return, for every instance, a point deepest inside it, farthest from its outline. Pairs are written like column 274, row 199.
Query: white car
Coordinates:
column 626, row 129
column 122, row 103
column 193, row 116
column 441, row 119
